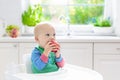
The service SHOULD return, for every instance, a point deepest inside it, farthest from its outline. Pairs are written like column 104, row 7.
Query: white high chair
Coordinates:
column 68, row 72
column 27, row 63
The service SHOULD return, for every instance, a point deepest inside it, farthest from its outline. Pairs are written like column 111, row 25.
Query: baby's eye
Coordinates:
column 53, row 34
column 47, row 34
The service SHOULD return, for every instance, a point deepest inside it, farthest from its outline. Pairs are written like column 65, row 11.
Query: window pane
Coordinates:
column 52, row 13
column 84, row 11
column 84, row 14
column 78, row 11
column 50, row 2
column 87, row 1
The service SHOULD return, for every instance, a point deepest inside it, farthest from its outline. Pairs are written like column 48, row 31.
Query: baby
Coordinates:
column 46, row 56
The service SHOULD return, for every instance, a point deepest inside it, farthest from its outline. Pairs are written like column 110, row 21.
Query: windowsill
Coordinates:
column 76, row 34
column 74, row 30
column 30, row 39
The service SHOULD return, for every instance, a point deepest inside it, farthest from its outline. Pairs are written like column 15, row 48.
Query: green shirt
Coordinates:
column 50, row 66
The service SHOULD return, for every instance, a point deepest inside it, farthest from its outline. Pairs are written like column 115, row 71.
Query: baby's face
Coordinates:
column 47, row 34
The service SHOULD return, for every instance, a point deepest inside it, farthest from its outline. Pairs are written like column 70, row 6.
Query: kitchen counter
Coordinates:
column 66, row 39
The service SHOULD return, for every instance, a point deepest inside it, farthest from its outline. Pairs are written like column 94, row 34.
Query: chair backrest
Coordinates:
column 27, row 62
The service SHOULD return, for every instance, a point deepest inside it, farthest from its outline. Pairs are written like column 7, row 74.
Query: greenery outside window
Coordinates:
column 75, row 14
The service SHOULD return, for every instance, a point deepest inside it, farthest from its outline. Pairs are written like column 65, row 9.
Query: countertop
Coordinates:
column 65, row 39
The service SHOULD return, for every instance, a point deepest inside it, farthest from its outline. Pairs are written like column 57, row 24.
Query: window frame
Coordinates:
column 85, row 29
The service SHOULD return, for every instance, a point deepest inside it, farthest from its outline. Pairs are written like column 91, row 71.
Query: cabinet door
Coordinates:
column 8, row 55
column 107, row 48
column 25, row 48
column 108, row 66
column 77, row 53
column 107, row 60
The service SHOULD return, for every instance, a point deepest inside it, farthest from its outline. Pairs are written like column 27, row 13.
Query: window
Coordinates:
column 71, row 16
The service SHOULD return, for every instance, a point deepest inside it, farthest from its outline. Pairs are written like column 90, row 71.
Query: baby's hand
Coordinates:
column 48, row 48
column 55, row 45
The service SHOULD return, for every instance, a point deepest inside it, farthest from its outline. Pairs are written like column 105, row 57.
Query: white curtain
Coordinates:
column 108, row 9
column 117, row 17
column 112, row 10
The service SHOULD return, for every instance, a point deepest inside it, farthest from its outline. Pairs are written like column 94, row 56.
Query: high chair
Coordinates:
column 68, row 72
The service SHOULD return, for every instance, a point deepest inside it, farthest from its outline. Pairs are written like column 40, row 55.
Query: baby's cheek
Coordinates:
column 44, row 44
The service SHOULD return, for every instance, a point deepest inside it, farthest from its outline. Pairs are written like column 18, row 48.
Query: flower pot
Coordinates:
column 103, row 30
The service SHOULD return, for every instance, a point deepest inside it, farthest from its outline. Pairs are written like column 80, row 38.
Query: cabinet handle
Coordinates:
column 118, row 48
column 15, row 45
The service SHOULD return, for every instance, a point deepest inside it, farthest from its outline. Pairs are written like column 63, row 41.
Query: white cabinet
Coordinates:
column 75, row 53
column 107, row 60
column 25, row 48
column 8, row 55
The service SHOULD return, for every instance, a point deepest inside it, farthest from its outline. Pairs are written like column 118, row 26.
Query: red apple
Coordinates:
column 56, row 45
column 13, row 33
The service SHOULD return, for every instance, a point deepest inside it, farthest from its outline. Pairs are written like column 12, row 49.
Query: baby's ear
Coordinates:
column 36, row 39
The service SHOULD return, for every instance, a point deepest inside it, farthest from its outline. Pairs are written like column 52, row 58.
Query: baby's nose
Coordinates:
column 52, row 39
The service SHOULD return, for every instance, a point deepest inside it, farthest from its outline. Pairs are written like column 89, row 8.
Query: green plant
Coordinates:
column 102, row 22
column 32, row 15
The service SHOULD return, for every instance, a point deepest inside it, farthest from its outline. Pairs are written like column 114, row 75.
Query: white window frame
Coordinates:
column 81, row 29
column 85, row 30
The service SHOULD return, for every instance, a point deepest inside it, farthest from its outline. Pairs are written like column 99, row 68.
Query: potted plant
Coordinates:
column 12, row 31
column 32, row 16
column 103, row 26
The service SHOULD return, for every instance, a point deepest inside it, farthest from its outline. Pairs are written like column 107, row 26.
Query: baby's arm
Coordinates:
column 39, row 60
column 60, row 61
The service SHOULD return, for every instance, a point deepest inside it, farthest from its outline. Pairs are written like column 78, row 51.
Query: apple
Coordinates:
column 14, row 33
column 12, row 30
column 56, row 45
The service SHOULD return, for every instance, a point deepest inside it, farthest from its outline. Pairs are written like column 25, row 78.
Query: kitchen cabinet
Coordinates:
column 8, row 55
column 25, row 48
column 77, row 53
column 107, row 60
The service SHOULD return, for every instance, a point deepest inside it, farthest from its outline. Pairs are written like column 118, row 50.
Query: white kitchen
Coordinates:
column 74, row 22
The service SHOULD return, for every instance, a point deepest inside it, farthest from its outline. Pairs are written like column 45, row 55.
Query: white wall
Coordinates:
column 10, row 11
